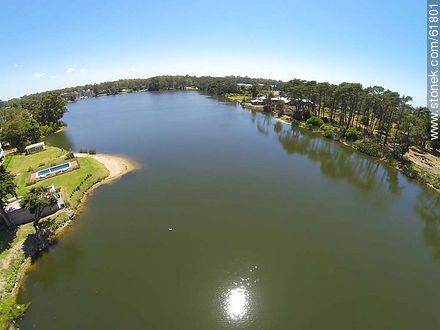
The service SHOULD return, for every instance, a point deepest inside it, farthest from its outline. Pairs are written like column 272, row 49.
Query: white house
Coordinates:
column 19, row 215
column 36, row 147
column 259, row 100
column 280, row 98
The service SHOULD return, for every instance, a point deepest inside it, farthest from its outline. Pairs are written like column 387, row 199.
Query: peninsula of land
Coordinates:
column 21, row 245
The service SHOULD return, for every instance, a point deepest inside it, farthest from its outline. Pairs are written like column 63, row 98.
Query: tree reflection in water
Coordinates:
column 428, row 207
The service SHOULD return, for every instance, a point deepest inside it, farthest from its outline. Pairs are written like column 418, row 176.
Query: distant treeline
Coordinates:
column 378, row 114
column 211, row 85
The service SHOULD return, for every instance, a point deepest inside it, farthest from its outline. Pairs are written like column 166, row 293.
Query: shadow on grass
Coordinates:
column 7, row 236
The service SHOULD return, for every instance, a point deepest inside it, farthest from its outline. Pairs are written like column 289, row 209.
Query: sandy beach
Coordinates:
column 116, row 165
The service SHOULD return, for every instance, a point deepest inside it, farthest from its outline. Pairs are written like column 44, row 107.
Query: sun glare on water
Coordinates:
column 237, row 303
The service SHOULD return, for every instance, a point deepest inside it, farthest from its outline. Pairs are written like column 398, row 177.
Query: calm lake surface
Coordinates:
column 272, row 228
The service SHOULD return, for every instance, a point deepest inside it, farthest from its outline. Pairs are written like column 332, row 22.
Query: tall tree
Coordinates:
column 7, row 189
column 18, row 128
column 36, row 200
column 49, row 109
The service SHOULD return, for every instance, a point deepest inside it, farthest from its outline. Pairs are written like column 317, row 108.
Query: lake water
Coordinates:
column 272, row 228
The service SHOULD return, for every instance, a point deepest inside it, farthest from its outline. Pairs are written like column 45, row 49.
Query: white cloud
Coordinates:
column 70, row 70
column 82, row 70
column 39, row 74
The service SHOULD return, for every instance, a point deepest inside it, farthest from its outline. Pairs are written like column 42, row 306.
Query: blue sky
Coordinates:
column 54, row 44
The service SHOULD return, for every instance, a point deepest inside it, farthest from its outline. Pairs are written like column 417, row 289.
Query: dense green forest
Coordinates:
column 381, row 115
column 28, row 119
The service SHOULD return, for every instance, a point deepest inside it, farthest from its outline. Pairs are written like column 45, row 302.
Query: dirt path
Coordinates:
column 427, row 161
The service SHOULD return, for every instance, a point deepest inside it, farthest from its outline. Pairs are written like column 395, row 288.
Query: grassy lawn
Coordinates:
column 236, row 97
column 72, row 184
column 21, row 163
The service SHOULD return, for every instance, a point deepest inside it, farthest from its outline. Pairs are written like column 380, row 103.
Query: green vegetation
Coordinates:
column 315, row 121
column 279, row 107
column 27, row 120
column 370, row 148
column 7, row 189
column 69, row 156
column 234, row 97
column 35, row 200
column 11, row 274
column 18, row 128
column 23, row 165
column 11, row 258
column 352, row 134
column 327, row 131
column 10, row 310
column 87, row 151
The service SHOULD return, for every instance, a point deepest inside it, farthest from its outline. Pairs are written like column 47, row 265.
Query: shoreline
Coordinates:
column 384, row 160
column 117, row 166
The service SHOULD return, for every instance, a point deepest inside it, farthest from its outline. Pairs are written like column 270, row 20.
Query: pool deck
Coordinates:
column 73, row 166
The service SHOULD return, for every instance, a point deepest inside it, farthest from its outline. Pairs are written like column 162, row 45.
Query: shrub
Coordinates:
column 315, row 121
column 352, row 134
column 92, row 152
column 328, row 134
column 10, row 311
column 46, row 130
column 83, row 151
column 369, row 148
column 69, row 155
column 327, row 131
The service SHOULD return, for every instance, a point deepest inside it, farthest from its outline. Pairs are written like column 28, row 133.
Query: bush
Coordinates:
column 46, row 130
column 369, row 148
column 352, row 134
column 69, row 155
column 315, row 121
column 10, row 311
column 327, row 131
column 92, row 152
column 328, row 134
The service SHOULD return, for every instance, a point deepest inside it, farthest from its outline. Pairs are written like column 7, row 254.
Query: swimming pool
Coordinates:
column 53, row 170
